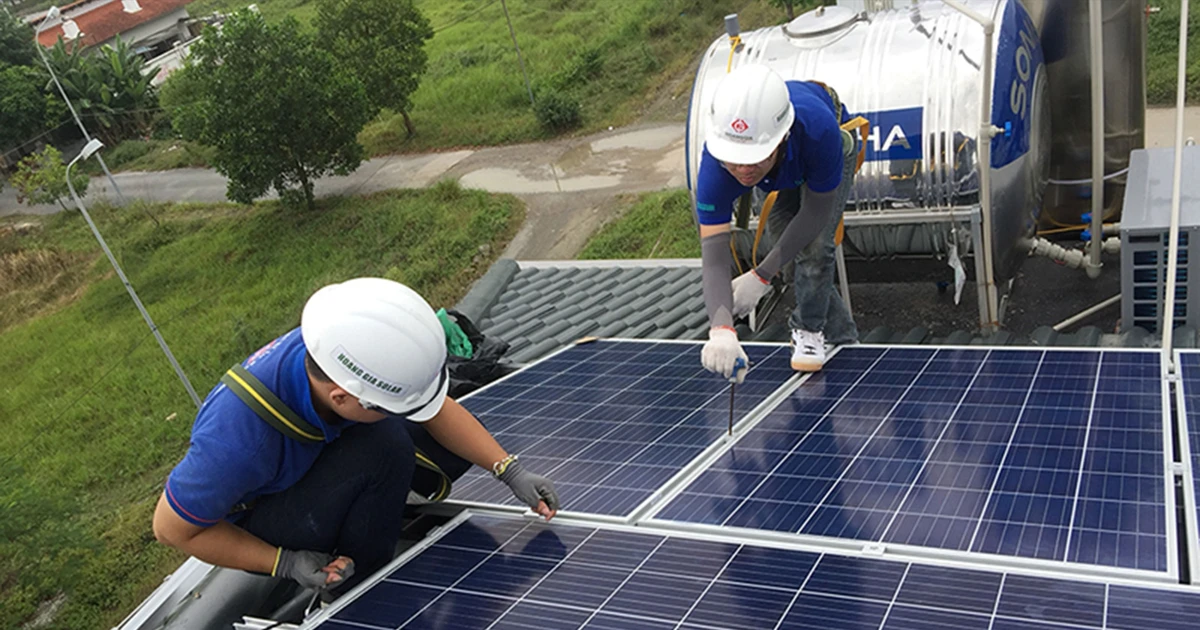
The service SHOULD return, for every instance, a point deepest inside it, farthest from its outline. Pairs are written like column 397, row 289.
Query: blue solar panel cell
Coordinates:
column 909, row 618
column 529, row 574
column 1189, row 371
column 1054, row 455
column 1131, row 608
column 1046, row 599
column 610, row 422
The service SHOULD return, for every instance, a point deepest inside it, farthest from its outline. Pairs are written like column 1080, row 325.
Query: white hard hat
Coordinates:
column 750, row 115
column 381, row 342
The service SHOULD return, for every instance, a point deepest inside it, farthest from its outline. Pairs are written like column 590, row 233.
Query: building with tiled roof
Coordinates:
column 152, row 25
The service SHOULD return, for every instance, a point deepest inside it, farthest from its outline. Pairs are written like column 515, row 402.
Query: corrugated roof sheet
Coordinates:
column 539, row 307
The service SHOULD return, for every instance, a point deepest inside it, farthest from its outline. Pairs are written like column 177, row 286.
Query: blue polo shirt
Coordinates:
column 813, row 155
column 236, row 456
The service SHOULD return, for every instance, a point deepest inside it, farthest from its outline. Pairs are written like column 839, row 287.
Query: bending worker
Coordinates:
column 301, row 460
column 786, row 137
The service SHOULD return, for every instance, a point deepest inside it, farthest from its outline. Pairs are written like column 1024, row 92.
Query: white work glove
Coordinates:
column 722, row 352
column 748, row 289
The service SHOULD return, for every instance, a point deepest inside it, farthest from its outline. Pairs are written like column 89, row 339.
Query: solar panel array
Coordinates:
column 1049, row 454
column 492, row 572
column 611, row 421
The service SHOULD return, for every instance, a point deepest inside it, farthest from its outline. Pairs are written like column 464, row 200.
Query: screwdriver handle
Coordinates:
column 740, row 364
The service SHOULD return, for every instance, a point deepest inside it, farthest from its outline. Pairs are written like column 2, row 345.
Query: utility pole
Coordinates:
column 521, row 59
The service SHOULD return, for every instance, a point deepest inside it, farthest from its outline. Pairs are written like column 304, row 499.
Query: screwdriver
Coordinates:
column 740, row 364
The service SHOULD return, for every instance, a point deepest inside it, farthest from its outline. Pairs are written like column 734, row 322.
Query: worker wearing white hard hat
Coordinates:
column 781, row 136
column 302, row 459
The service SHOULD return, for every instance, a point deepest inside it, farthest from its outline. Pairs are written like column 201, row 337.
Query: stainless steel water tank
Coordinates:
column 915, row 73
column 1063, row 25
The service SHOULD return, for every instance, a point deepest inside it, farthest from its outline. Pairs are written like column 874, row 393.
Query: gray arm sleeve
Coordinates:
column 716, row 261
column 816, row 211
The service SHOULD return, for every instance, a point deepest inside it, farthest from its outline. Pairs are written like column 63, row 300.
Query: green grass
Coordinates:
column 152, row 155
column 652, row 225
column 1162, row 53
column 93, row 416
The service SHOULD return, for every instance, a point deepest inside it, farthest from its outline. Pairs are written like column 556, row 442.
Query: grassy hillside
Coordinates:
column 92, row 415
column 1162, row 53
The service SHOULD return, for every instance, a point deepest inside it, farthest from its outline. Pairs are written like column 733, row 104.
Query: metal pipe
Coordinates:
column 1096, row 24
column 128, row 287
column 1168, row 314
column 1086, row 313
column 986, row 132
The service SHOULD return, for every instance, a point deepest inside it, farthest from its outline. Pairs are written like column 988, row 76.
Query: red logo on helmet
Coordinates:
column 739, row 125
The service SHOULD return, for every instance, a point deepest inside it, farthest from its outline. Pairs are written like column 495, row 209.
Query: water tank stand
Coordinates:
column 957, row 215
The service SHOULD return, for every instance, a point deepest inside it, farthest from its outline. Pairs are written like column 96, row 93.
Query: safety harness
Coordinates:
column 434, row 485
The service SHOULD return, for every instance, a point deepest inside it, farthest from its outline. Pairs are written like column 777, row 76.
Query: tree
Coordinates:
column 22, row 106
column 789, row 5
column 42, row 178
column 16, row 42
column 279, row 111
column 110, row 87
column 382, row 42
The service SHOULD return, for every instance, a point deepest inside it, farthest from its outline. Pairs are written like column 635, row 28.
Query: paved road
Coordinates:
column 568, row 185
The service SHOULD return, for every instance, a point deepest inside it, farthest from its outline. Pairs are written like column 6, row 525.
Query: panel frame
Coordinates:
column 1187, row 470
column 804, row 546
column 916, row 553
column 742, row 424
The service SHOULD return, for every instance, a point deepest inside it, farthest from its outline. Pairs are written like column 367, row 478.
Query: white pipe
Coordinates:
column 1073, row 258
column 1086, row 313
column 1096, row 23
column 1168, row 314
column 986, row 132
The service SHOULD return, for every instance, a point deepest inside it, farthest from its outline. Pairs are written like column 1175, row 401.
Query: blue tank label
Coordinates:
column 895, row 134
column 1018, row 60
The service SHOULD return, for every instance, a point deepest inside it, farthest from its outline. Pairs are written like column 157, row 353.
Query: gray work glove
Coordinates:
column 307, row 568
column 528, row 487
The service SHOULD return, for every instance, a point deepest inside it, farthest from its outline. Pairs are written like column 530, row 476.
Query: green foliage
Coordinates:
column 279, row 111
column 108, row 88
column 1162, row 53
column 42, row 178
column 22, row 105
column 83, row 467
column 654, row 225
column 557, row 111
column 380, row 41
column 16, row 42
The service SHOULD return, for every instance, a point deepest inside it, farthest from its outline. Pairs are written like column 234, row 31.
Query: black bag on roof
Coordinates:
column 485, row 364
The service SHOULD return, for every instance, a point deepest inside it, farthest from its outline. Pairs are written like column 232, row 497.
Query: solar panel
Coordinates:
column 1055, row 455
column 1188, row 364
column 502, row 572
column 610, row 422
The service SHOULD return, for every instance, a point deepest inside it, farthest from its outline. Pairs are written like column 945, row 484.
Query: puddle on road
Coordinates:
column 646, row 140
column 507, row 180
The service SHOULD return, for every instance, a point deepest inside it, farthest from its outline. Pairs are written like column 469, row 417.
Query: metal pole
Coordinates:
column 1168, row 315
column 521, row 59
column 986, row 132
column 63, row 93
column 129, row 287
column 1096, row 22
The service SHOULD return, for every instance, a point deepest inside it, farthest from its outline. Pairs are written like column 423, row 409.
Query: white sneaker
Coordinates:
column 808, row 350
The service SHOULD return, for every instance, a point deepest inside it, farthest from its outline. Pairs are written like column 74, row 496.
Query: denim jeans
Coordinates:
column 819, row 305
column 351, row 501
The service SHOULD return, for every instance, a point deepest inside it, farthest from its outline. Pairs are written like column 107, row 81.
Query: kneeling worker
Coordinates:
column 301, row 460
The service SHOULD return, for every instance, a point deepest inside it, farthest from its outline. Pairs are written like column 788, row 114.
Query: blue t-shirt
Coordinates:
column 813, row 155
column 236, row 456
